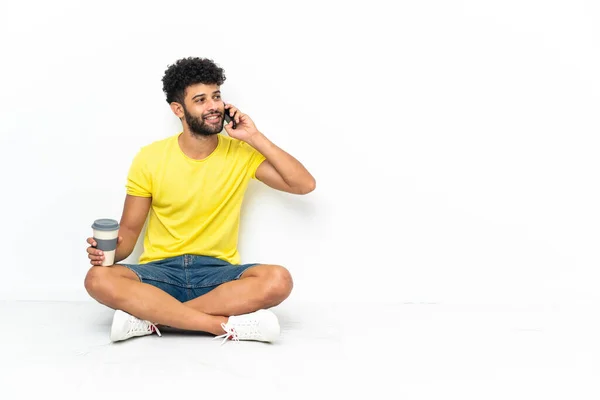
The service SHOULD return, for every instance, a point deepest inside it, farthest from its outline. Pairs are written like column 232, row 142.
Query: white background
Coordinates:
column 455, row 143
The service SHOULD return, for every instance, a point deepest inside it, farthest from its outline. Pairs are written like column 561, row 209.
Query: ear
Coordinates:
column 177, row 109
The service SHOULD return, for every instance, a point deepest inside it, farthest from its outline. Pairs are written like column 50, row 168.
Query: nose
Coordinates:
column 214, row 106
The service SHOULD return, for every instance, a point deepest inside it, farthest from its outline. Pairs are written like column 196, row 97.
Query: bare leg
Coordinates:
column 119, row 288
column 261, row 286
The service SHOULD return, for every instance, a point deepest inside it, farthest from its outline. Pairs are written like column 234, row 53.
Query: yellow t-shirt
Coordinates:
column 195, row 203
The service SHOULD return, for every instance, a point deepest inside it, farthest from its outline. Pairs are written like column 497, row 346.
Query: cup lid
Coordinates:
column 105, row 224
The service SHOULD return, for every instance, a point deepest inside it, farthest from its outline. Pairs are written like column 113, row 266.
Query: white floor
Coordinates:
column 403, row 351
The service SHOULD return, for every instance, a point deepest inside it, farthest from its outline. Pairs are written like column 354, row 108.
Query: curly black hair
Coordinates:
column 190, row 71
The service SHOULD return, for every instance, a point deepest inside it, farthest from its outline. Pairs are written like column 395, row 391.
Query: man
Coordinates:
column 193, row 184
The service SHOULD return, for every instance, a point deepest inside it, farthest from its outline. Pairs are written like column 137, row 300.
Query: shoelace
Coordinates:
column 230, row 333
column 138, row 325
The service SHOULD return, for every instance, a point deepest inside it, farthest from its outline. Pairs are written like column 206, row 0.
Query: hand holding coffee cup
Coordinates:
column 103, row 244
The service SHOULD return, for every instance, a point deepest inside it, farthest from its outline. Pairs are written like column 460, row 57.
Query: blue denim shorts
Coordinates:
column 188, row 276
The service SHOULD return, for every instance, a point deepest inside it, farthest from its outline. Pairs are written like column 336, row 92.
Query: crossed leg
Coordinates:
column 118, row 287
column 261, row 286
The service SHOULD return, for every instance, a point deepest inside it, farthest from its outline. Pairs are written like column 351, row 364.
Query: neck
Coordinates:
column 197, row 147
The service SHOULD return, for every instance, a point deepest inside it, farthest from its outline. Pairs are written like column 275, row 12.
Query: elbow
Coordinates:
column 309, row 187
column 312, row 186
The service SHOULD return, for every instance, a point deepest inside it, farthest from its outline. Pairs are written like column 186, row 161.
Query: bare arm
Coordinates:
column 135, row 212
column 280, row 170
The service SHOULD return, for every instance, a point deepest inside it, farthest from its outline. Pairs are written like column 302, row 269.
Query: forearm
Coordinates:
column 291, row 170
column 125, row 248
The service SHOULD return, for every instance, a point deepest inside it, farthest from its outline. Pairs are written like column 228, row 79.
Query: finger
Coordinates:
column 92, row 242
column 95, row 258
column 96, row 262
column 120, row 239
column 94, row 251
column 233, row 111
column 242, row 118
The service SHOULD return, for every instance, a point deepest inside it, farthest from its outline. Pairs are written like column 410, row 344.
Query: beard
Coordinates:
column 199, row 127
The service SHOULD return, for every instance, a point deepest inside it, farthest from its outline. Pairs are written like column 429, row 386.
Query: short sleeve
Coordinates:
column 139, row 180
column 256, row 158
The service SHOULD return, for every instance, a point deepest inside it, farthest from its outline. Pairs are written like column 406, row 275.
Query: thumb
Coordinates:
column 120, row 239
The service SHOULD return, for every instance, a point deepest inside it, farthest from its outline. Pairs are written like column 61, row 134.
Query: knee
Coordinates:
column 279, row 284
column 97, row 283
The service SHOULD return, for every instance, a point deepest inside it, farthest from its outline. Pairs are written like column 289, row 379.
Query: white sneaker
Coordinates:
column 125, row 326
column 261, row 325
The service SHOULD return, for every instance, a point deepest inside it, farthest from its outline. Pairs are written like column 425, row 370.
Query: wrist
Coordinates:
column 255, row 139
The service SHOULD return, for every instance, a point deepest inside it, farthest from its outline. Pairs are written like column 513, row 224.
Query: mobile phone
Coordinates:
column 229, row 118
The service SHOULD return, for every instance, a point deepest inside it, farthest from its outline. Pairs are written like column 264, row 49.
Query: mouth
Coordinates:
column 213, row 118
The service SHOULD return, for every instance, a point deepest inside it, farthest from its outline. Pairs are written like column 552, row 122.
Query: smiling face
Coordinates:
column 203, row 109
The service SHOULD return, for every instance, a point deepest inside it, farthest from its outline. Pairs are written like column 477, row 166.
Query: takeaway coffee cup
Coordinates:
column 106, row 233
